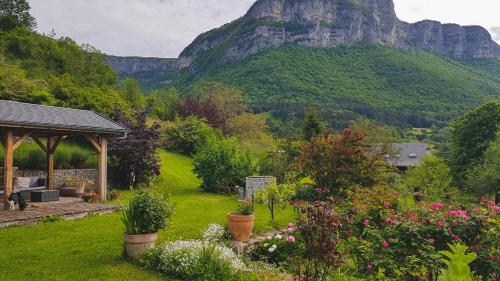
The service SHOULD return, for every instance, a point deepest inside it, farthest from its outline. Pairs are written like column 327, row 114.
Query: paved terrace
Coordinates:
column 64, row 208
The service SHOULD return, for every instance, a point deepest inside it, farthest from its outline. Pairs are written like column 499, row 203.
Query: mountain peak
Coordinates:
column 329, row 23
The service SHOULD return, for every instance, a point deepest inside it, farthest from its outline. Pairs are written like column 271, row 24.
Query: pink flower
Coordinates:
column 481, row 203
column 496, row 208
column 395, row 193
column 436, row 206
column 290, row 225
column 354, row 209
column 431, row 241
column 290, row 239
column 387, row 204
column 369, row 266
column 459, row 213
column 385, row 244
column 449, row 229
column 476, row 210
column 290, row 229
column 491, row 203
column 366, row 222
column 491, row 258
column 387, row 220
column 440, row 223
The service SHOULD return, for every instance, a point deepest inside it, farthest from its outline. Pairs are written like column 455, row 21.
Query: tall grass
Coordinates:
column 29, row 156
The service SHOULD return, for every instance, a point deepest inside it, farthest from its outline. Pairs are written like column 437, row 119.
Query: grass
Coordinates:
column 91, row 248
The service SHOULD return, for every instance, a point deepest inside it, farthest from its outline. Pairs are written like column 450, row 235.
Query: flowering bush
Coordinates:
column 214, row 233
column 404, row 245
column 185, row 259
column 277, row 250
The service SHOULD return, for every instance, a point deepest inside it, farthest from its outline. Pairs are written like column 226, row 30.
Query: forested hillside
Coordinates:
column 394, row 86
column 54, row 71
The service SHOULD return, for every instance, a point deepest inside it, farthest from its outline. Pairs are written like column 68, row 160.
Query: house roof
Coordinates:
column 25, row 115
column 407, row 154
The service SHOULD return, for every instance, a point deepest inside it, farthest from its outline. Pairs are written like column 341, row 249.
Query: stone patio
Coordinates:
column 65, row 208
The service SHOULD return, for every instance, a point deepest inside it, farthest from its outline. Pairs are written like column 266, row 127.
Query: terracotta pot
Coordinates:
column 80, row 164
column 135, row 245
column 240, row 227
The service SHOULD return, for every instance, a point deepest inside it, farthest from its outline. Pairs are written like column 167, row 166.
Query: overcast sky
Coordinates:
column 162, row 28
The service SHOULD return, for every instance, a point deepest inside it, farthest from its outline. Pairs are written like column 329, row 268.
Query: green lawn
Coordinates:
column 91, row 248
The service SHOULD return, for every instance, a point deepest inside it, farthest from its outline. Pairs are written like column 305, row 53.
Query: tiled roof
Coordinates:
column 407, row 154
column 40, row 116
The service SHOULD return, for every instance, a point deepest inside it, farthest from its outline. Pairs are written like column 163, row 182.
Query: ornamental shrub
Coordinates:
column 276, row 196
column 222, row 165
column 187, row 136
column 279, row 250
column 404, row 245
column 148, row 212
column 339, row 162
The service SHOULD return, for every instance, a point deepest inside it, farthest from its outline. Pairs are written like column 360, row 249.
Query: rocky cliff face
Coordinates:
column 327, row 23
column 134, row 65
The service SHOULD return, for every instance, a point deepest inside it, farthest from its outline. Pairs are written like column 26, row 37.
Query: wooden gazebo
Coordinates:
column 47, row 126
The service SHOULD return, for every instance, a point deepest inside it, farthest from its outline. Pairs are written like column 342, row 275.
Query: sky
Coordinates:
column 163, row 28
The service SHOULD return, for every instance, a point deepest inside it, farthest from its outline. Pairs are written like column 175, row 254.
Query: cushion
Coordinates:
column 33, row 181
column 41, row 182
column 23, row 182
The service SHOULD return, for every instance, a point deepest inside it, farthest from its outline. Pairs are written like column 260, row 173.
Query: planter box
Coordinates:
column 45, row 195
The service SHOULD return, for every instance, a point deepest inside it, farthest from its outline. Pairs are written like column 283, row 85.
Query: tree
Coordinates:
column 251, row 132
column 313, row 124
column 188, row 136
column 205, row 109
column 130, row 92
column 228, row 100
column 275, row 196
column 376, row 134
column 471, row 135
column 15, row 13
column 338, row 162
column 222, row 165
column 484, row 178
column 431, row 178
column 134, row 160
column 162, row 103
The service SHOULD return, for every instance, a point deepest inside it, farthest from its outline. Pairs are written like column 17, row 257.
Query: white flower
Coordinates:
column 278, row 236
column 271, row 249
column 266, row 244
column 214, row 233
column 269, row 237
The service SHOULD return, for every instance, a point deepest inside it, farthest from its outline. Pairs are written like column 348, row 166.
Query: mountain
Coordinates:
column 348, row 57
column 329, row 23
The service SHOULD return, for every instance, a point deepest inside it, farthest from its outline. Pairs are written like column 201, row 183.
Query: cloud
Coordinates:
column 135, row 27
column 495, row 32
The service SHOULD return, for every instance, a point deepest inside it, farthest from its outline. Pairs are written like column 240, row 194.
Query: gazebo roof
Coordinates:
column 25, row 115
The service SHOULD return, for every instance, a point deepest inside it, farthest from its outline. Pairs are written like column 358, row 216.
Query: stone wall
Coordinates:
column 61, row 175
column 253, row 184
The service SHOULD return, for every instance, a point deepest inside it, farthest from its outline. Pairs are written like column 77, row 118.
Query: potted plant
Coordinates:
column 240, row 222
column 147, row 213
column 78, row 159
column 114, row 194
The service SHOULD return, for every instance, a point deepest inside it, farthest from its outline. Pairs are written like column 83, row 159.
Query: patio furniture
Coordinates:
column 35, row 183
column 45, row 195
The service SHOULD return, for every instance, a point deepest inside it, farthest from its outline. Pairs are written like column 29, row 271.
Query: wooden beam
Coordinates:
column 103, row 168
column 50, row 164
column 42, row 146
column 20, row 140
column 94, row 142
column 56, row 143
column 7, row 167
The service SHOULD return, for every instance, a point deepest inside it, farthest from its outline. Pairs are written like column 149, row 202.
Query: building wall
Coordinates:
column 61, row 175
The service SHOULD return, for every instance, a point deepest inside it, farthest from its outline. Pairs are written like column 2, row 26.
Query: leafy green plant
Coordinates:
column 147, row 212
column 458, row 263
column 245, row 208
column 275, row 196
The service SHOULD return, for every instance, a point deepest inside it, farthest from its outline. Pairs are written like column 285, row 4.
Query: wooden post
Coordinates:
column 103, row 168
column 50, row 164
column 7, row 167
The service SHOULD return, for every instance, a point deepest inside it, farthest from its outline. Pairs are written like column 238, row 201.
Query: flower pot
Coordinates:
column 135, row 245
column 79, row 164
column 240, row 227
